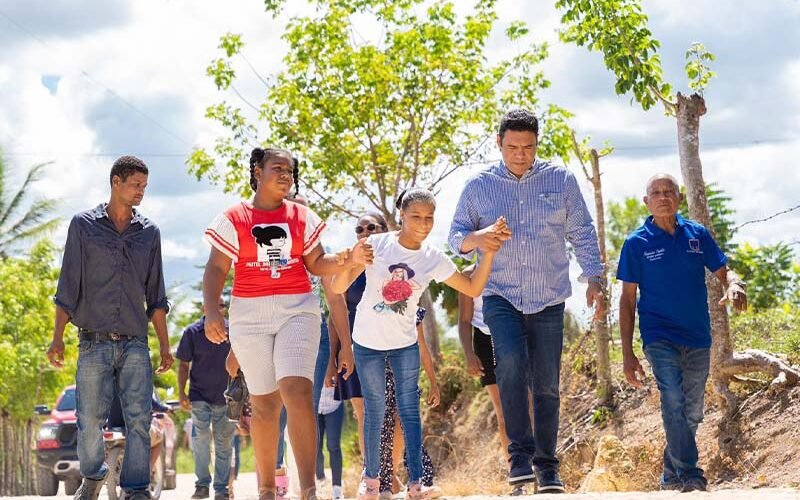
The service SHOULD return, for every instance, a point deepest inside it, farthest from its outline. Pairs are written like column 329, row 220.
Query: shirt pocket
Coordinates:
column 551, row 210
column 138, row 252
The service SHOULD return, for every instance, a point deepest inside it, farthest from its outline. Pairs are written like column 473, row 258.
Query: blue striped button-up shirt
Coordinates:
column 544, row 210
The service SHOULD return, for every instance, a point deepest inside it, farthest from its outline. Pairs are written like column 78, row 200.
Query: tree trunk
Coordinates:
column 601, row 324
column 429, row 326
column 724, row 364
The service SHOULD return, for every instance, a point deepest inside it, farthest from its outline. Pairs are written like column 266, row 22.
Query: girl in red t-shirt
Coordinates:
column 273, row 244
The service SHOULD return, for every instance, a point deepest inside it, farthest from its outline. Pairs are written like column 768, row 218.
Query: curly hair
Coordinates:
column 125, row 166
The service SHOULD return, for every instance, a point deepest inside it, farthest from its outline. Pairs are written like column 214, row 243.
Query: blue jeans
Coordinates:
column 322, row 363
column 106, row 367
column 681, row 373
column 332, row 425
column 281, row 439
column 372, row 373
column 205, row 418
column 527, row 348
column 236, row 445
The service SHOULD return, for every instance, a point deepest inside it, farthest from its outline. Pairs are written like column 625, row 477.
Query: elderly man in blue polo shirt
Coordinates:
column 665, row 259
column 523, row 303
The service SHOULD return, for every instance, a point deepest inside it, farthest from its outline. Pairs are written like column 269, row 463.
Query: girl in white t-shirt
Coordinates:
column 385, row 325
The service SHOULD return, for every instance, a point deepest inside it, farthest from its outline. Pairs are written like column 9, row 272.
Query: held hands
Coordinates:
column 55, row 353
column 360, row 255
column 736, row 295
column 215, row 326
column 491, row 238
column 632, row 369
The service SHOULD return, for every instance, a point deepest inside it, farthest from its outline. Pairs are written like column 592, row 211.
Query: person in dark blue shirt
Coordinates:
column 111, row 285
column 665, row 260
column 203, row 365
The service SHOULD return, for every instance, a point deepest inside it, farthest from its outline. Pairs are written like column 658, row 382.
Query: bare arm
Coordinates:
column 466, row 309
column 159, row 320
column 734, row 288
column 472, row 285
column 627, row 318
column 214, row 276
column 339, row 326
column 427, row 365
column 343, row 280
column 183, row 377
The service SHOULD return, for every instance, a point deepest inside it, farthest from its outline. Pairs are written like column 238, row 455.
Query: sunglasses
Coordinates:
column 368, row 227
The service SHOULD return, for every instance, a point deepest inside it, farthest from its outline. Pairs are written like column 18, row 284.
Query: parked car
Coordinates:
column 56, row 446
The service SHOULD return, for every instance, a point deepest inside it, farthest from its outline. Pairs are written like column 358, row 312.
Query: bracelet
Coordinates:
column 596, row 279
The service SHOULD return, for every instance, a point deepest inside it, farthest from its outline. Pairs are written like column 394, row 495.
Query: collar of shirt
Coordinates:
column 502, row 170
column 101, row 211
column 653, row 228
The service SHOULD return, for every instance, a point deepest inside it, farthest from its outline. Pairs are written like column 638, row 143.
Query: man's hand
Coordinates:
column 55, row 353
column 166, row 360
column 435, row 397
column 594, row 298
column 185, row 403
column 215, row 327
column 346, row 361
column 736, row 295
column 474, row 365
column 632, row 369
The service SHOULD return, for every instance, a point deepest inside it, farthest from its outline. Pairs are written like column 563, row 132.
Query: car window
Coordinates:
column 67, row 402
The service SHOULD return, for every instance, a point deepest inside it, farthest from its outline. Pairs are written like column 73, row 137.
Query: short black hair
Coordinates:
column 125, row 166
column 519, row 120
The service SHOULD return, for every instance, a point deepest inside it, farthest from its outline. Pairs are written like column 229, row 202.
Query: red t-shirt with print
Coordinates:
column 267, row 247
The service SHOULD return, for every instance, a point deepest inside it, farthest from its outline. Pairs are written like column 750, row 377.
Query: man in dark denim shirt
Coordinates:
column 111, row 283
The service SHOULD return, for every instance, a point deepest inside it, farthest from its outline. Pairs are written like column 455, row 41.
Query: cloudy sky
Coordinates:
column 84, row 81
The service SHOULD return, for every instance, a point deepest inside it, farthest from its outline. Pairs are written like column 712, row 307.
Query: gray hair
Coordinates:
column 664, row 176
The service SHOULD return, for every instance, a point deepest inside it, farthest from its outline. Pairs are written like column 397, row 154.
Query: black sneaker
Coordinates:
column 549, row 482
column 672, row 486
column 235, row 398
column 520, row 470
column 89, row 489
column 221, row 496
column 694, row 484
column 138, row 495
column 200, row 492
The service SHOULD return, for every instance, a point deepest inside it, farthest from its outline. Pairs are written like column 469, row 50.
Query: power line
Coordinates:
column 92, row 80
column 782, row 212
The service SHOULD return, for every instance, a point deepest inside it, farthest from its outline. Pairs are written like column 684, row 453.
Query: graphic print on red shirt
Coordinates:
column 267, row 247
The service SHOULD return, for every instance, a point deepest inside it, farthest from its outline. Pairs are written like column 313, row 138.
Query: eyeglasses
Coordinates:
column 368, row 227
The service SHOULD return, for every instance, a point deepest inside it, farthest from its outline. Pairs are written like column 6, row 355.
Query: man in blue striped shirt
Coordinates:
column 524, row 299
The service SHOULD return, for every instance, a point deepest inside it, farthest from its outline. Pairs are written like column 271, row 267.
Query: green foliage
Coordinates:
column 372, row 117
column 17, row 223
column 770, row 273
column 618, row 30
column 448, row 295
column 774, row 330
column 452, row 376
column 697, row 70
column 27, row 309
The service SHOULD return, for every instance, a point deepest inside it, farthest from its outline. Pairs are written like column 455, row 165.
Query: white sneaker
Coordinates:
column 337, row 493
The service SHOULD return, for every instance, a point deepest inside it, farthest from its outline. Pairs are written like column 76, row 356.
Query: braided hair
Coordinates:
column 296, row 175
column 260, row 156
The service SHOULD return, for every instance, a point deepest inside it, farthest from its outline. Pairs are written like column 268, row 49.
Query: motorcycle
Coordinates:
column 162, row 454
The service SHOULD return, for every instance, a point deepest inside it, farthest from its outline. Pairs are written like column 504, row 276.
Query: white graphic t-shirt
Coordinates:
column 386, row 315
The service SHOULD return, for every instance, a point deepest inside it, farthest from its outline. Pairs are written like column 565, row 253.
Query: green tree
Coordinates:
column 618, row 30
column 372, row 117
column 26, row 377
column 17, row 223
column 769, row 271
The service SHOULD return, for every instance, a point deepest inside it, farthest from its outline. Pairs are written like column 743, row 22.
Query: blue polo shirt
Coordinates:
column 670, row 272
column 207, row 376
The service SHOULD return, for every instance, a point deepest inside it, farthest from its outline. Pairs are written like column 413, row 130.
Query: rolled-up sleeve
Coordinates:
column 580, row 230
column 69, row 280
column 465, row 221
column 155, row 290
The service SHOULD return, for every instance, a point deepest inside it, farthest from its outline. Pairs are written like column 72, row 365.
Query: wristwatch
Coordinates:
column 596, row 279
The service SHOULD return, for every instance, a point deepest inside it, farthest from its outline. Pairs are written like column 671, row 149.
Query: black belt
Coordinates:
column 100, row 336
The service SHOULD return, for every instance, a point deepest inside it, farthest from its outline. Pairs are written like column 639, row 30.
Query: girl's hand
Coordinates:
column 474, row 365
column 435, row 397
column 346, row 361
column 330, row 375
column 361, row 254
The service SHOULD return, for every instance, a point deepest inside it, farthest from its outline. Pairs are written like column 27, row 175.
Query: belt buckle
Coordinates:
column 114, row 336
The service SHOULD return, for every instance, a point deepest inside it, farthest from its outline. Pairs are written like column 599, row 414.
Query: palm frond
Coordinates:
column 34, row 174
